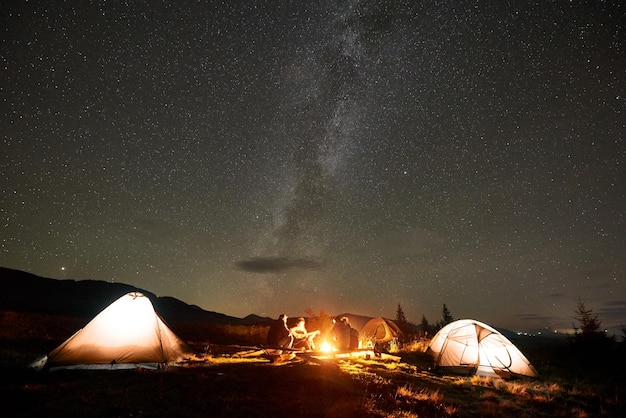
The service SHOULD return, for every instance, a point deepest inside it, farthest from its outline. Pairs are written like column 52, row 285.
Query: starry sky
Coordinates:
column 345, row 156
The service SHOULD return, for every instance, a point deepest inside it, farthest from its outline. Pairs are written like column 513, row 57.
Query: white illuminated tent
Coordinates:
column 127, row 334
column 470, row 347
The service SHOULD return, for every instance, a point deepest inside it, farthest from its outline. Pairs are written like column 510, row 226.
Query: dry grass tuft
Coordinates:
column 579, row 413
column 402, row 414
column 433, row 396
column 415, row 346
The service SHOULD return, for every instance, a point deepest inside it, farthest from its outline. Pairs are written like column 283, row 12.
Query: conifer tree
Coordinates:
column 403, row 324
column 425, row 326
column 446, row 316
column 589, row 335
column 400, row 316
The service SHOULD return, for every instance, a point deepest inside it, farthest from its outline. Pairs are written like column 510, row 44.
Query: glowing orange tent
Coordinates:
column 128, row 333
column 378, row 331
column 470, row 347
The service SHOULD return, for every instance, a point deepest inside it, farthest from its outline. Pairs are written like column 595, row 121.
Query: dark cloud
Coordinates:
column 613, row 312
column 617, row 303
column 277, row 264
column 535, row 317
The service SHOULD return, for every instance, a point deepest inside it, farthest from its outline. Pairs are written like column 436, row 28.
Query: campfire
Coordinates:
column 327, row 347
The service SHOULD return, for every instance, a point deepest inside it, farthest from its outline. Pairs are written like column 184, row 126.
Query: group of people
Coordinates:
column 297, row 337
column 280, row 335
column 344, row 336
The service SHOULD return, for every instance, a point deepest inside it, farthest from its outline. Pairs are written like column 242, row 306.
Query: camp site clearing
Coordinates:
column 221, row 379
column 126, row 361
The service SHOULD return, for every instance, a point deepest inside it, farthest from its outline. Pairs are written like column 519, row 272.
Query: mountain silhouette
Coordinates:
column 26, row 292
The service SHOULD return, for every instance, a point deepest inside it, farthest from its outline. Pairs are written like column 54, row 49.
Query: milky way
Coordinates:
column 338, row 156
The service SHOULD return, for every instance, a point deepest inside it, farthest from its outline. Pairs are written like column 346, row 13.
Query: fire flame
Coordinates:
column 326, row 347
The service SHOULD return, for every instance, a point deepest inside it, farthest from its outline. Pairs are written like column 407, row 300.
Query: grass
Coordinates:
column 222, row 383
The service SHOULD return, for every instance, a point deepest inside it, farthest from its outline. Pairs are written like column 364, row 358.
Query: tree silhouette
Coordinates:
column 403, row 324
column 425, row 326
column 400, row 316
column 589, row 335
column 589, row 323
column 446, row 316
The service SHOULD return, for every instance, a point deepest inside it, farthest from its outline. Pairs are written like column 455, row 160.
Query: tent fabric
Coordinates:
column 379, row 331
column 128, row 331
column 470, row 347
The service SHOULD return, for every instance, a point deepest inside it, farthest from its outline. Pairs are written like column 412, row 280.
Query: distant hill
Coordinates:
column 26, row 292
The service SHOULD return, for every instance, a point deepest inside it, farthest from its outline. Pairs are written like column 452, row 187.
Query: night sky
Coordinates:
column 345, row 156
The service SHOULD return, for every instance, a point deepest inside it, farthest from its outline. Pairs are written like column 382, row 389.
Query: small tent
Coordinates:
column 470, row 347
column 378, row 331
column 127, row 334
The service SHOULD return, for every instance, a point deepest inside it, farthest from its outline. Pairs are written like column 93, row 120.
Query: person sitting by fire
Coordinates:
column 301, row 337
column 341, row 334
column 279, row 334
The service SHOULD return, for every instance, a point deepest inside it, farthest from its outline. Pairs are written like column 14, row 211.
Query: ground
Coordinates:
column 234, row 380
